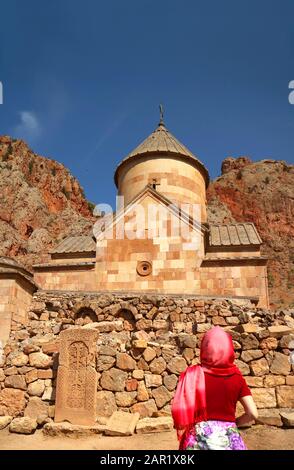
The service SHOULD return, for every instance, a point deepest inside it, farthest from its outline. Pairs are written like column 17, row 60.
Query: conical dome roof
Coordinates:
column 162, row 142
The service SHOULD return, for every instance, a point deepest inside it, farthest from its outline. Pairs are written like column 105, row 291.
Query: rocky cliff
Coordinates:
column 263, row 193
column 40, row 203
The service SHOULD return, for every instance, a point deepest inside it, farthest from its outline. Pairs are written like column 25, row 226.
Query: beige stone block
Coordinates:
column 249, row 328
column 285, row 396
column 255, row 381
column 288, row 419
column 280, row 364
column 138, row 374
column 153, row 380
column 264, row 397
column 106, row 404
column 150, row 425
column 273, row 380
column 270, row 417
column 12, row 402
column 122, row 424
column 280, row 330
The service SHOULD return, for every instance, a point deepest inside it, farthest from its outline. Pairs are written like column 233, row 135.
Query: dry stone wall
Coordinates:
column 144, row 343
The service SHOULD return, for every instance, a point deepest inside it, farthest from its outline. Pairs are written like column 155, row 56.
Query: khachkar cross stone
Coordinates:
column 77, row 377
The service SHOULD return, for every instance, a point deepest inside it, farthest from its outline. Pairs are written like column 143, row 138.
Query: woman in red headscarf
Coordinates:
column 205, row 401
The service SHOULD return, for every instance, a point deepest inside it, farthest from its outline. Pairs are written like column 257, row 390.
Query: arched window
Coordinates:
column 85, row 315
column 128, row 319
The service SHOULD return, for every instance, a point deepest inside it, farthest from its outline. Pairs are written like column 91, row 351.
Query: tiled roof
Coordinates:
column 233, row 258
column 9, row 268
column 233, row 235
column 75, row 245
column 9, row 262
column 58, row 266
column 161, row 141
column 6, row 262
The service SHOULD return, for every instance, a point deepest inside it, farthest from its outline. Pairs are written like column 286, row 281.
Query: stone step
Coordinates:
column 71, row 430
column 150, row 425
column 122, row 424
column 288, row 418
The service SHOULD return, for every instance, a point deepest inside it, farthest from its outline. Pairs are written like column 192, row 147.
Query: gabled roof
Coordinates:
column 12, row 269
column 12, row 263
column 78, row 244
column 162, row 142
column 234, row 234
column 170, row 206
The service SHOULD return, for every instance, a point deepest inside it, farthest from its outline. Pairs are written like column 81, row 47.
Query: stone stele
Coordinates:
column 77, row 378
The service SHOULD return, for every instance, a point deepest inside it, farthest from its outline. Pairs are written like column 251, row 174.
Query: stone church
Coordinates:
column 218, row 261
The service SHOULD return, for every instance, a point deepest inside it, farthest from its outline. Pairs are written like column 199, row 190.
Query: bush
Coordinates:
column 270, row 279
column 7, row 153
column 239, row 175
column 267, row 180
column 91, row 206
column 31, row 166
column 83, row 193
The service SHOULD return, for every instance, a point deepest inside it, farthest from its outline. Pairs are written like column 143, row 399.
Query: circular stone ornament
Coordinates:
column 144, row 268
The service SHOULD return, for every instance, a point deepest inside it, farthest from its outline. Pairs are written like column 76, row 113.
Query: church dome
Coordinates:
column 163, row 142
column 164, row 162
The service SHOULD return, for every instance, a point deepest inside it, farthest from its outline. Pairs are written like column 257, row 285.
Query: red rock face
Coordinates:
column 232, row 163
column 40, row 203
column 262, row 193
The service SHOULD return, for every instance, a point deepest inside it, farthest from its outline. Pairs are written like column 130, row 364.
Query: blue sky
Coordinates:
column 82, row 80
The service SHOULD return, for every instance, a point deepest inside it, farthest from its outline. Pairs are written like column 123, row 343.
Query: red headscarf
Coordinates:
column 217, row 358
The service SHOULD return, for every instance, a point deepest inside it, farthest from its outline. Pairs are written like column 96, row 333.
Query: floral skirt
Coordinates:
column 213, row 435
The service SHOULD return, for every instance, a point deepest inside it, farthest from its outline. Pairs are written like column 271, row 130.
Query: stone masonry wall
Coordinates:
column 15, row 300
column 144, row 343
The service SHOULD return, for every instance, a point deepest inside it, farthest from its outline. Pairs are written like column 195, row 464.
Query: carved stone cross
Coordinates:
column 77, row 377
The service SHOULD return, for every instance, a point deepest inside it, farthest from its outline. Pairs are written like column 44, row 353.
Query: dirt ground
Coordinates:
column 256, row 438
